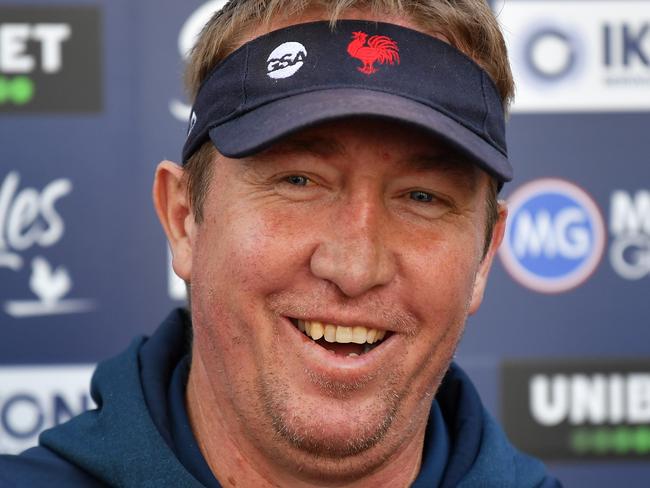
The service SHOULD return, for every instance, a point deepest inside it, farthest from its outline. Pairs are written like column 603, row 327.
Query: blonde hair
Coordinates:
column 469, row 25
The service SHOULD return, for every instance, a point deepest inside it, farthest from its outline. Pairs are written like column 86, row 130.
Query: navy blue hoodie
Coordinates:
column 139, row 435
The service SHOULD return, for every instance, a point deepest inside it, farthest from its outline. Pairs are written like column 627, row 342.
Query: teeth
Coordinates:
column 316, row 330
column 340, row 333
column 330, row 333
column 359, row 335
column 343, row 335
column 372, row 334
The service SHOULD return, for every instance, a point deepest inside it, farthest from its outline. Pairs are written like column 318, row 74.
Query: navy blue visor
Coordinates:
column 307, row 74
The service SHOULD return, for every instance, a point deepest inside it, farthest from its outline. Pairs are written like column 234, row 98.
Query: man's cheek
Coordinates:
column 271, row 244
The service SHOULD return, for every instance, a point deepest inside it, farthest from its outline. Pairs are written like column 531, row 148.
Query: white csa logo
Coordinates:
column 28, row 218
column 286, row 60
column 554, row 238
column 630, row 228
column 186, row 40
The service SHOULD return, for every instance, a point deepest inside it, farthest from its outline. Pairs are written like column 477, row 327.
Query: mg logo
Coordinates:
column 555, row 236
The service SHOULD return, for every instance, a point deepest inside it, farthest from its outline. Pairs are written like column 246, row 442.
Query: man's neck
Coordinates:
column 234, row 461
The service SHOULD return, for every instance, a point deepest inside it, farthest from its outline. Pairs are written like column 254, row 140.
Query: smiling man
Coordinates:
column 335, row 219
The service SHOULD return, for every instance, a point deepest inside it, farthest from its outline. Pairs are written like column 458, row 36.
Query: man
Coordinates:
column 335, row 220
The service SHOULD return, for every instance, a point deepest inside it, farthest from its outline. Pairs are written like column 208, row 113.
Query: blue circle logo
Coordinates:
column 555, row 236
column 552, row 53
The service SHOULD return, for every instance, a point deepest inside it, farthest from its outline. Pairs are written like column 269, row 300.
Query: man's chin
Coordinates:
column 327, row 427
column 322, row 438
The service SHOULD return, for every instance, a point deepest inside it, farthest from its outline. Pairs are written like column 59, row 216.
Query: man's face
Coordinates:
column 353, row 224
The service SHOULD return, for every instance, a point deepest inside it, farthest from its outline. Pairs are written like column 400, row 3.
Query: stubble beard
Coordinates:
column 308, row 438
column 317, row 444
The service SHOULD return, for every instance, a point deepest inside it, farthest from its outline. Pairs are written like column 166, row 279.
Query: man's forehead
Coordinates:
column 420, row 151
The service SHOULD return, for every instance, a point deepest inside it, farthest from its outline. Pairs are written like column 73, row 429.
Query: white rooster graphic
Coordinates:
column 47, row 284
column 50, row 286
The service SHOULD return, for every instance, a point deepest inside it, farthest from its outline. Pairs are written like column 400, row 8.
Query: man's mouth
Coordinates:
column 341, row 340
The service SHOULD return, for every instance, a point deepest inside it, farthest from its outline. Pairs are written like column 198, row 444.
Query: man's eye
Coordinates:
column 421, row 196
column 297, row 180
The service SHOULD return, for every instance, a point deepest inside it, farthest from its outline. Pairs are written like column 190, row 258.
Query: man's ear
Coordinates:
column 484, row 268
column 173, row 208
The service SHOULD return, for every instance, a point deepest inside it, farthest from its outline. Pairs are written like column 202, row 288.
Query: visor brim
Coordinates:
column 260, row 128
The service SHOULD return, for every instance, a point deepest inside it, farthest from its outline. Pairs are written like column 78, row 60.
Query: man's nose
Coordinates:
column 354, row 253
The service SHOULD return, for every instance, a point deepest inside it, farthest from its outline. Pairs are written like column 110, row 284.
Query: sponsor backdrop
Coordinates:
column 91, row 99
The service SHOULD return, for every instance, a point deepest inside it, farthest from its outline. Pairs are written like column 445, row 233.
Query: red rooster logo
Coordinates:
column 381, row 49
